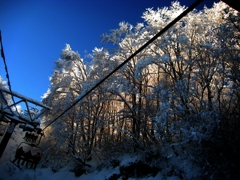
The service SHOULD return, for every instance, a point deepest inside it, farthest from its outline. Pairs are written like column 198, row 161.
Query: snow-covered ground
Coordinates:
column 173, row 167
column 11, row 172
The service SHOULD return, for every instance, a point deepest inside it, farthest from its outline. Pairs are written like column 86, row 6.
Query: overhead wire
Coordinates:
column 184, row 13
column 7, row 74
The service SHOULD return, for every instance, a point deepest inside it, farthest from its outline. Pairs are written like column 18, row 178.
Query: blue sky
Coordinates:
column 34, row 32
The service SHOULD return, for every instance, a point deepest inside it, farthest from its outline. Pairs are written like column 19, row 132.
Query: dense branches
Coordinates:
column 183, row 87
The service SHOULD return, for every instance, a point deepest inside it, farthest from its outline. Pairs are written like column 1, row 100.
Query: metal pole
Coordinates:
column 6, row 137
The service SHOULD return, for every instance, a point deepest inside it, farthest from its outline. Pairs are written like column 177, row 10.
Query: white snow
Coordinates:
column 10, row 171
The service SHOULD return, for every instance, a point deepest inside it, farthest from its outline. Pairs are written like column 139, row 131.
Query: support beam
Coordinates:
column 6, row 137
column 24, row 98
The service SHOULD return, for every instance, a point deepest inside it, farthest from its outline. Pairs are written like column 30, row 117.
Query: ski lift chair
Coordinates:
column 32, row 135
column 30, row 147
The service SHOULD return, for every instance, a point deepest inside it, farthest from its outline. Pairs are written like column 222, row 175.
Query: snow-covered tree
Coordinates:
column 183, row 88
column 66, row 84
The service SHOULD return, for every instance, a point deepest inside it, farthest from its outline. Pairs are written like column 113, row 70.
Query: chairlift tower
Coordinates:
column 29, row 119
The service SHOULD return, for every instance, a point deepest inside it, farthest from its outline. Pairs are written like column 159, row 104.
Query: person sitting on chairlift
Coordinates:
column 27, row 158
column 36, row 159
column 18, row 155
column 34, row 139
column 30, row 137
column 27, row 136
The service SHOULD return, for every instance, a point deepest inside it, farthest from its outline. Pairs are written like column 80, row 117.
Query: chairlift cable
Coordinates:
column 184, row 13
column 7, row 74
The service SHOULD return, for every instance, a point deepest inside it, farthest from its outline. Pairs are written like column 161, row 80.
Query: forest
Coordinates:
column 181, row 93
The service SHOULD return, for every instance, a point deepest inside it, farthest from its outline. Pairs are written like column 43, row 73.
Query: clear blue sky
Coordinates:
column 34, row 32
